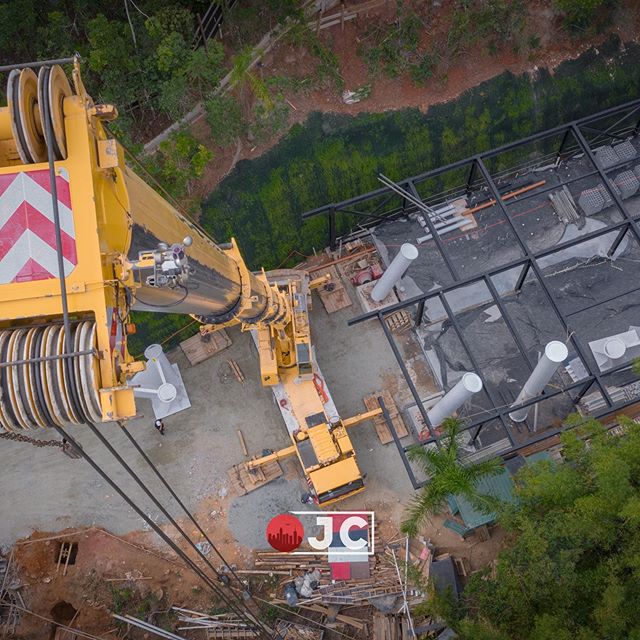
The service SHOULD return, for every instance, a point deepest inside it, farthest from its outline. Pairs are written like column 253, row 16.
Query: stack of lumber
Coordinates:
column 222, row 625
column 379, row 422
column 276, row 562
column 332, row 617
column 244, row 480
column 348, row 593
column 398, row 321
column 390, row 627
column 198, row 348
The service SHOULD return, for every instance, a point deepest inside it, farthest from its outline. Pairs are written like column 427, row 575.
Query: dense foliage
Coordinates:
column 571, row 568
column 332, row 158
column 139, row 55
column 583, row 13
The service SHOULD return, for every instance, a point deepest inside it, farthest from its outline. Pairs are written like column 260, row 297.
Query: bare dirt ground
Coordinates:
column 449, row 81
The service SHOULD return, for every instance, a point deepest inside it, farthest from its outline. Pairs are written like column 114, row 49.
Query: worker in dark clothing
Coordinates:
column 159, row 425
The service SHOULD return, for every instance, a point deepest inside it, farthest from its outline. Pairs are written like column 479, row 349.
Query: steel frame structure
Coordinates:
column 528, row 264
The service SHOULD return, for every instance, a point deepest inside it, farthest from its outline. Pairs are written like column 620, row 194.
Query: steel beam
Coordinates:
column 436, row 236
column 405, row 373
column 399, row 447
column 540, row 277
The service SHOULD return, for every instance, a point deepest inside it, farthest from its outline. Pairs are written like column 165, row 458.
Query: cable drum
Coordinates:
column 44, row 393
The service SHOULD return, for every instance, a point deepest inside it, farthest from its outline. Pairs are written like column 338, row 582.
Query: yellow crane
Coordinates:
column 122, row 246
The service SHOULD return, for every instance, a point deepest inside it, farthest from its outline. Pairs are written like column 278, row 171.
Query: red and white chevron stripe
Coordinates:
column 27, row 232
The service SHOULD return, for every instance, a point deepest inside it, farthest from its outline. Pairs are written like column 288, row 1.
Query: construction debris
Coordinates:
column 565, row 207
column 222, row 625
column 225, row 625
column 391, row 627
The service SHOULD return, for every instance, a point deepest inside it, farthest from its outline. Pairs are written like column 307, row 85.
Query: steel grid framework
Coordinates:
column 627, row 123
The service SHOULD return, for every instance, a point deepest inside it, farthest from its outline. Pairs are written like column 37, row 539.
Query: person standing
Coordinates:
column 159, row 425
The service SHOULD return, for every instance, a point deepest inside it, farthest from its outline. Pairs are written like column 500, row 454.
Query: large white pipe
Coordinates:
column 614, row 349
column 555, row 353
column 407, row 254
column 469, row 384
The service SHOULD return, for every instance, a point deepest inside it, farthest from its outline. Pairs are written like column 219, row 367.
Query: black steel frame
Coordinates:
column 572, row 134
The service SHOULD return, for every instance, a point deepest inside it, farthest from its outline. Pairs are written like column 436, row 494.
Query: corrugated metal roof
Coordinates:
column 499, row 486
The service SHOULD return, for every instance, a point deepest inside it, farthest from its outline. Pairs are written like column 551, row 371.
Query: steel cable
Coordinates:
column 265, row 633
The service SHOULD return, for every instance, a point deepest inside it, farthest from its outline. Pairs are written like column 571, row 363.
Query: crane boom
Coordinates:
column 124, row 247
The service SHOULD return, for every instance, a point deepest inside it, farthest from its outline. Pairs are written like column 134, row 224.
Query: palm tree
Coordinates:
column 447, row 476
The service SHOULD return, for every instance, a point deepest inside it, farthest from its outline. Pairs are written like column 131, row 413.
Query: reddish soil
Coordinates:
column 449, row 81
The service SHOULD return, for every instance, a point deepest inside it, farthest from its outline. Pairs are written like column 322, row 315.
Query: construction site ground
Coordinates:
column 47, row 493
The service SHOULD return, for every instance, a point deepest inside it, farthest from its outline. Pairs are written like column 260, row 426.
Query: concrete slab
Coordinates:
column 201, row 443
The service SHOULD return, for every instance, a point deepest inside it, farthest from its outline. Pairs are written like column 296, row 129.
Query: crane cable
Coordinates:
column 157, row 503
column 179, row 501
column 250, row 618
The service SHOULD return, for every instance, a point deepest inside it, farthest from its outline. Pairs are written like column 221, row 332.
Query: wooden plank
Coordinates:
column 379, row 423
column 336, row 299
column 235, row 369
column 243, row 444
column 199, row 348
column 245, row 481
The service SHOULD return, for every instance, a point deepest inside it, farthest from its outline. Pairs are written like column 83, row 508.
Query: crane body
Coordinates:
column 125, row 247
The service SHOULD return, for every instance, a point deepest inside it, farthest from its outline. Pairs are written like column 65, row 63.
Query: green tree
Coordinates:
column 571, row 566
column 579, row 12
column 178, row 161
column 446, row 476
column 243, row 76
column 224, row 117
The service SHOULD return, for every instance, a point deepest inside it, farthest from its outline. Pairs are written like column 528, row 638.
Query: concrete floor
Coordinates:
column 54, row 492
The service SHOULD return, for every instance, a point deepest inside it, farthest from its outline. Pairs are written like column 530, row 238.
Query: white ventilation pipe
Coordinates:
column 614, row 349
column 469, row 384
column 555, row 353
column 407, row 254
column 155, row 376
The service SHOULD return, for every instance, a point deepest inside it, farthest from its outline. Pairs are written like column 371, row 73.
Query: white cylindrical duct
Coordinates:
column 469, row 384
column 407, row 254
column 156, row 374
column 555, row 353
column 614, row 349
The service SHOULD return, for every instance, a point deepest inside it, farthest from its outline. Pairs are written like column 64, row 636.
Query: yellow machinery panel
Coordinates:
column 69, row 203
column 322, row 443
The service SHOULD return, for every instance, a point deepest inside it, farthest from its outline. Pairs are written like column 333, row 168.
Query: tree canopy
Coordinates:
column 571, row 567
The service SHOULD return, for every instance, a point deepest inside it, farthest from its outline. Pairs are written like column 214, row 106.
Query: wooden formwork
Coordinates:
column 379, row 422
